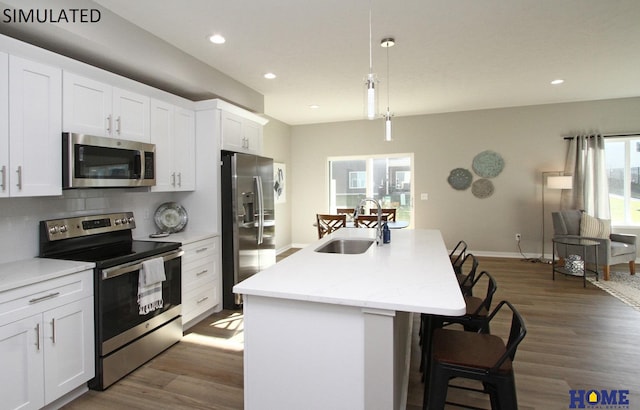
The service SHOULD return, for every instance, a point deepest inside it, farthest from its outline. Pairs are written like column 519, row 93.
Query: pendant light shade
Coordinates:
column 387, row 126
column 371, row 96
column 370, row 84
column 387, row 43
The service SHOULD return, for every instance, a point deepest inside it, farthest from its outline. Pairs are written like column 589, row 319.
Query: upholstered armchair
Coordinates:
column 614, row 248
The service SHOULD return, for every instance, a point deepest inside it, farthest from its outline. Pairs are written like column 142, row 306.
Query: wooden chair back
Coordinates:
column 368, row 221
column 348, row 211
column 328, row 223
column 390, row 213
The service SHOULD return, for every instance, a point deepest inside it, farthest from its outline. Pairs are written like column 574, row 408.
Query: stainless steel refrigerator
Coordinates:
column 248, row 221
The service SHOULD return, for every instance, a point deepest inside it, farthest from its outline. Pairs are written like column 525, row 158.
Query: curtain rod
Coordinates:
column 634, row 134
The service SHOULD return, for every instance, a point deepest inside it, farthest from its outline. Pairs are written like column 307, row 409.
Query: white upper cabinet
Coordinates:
column 95, row 108
column 35, row 128
column 240, row 134
column 240, row 130
column 4, row 125
column 173, row 133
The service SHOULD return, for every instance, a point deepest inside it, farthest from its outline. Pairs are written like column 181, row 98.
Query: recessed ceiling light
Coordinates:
column 217, row 39
column 558, row 81
column 314, row 106
column 269, row 76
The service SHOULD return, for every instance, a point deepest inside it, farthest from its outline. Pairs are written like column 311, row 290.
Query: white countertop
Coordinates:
column 413, row 273
column 29, row 271
column 184, row 237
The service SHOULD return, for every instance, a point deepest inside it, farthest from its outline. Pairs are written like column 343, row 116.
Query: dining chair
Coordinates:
column 475, row 319
column 348, row 211
column 368, row 221
column 466, row 273
column 457, row 254
column 477, row 356
column 328, row 223
column 390, row 213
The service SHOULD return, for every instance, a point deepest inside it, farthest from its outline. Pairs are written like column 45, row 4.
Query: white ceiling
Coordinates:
column 450, row 55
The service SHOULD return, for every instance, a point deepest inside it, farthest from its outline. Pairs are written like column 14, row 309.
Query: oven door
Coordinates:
column 118, row 318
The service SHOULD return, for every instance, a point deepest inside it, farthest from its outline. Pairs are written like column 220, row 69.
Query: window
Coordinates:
column 623, row 170
column 387, row 178
column 357, row 179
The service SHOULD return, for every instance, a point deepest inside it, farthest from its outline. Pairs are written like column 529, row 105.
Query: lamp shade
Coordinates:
column 560, row 182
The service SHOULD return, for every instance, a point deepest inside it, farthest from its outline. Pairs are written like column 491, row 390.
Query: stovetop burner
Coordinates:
column 105, row 240
column 119, row 253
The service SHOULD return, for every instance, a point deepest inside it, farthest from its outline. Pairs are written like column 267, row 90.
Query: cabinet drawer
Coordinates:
column 199, row 250
column 197, row 273
column 198, row 301
column 25, row 301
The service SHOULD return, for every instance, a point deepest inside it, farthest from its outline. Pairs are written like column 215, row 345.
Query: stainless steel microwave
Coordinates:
column 100, row 162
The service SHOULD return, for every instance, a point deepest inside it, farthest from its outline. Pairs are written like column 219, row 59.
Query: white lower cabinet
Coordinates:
column 49, row 350
column 200, row 278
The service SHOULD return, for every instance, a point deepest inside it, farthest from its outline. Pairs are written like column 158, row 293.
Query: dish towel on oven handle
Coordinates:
column 150, row 280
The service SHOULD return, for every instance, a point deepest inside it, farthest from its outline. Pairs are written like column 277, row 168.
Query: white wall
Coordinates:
column 528, row 138
column 277, row 145
column 19, row 217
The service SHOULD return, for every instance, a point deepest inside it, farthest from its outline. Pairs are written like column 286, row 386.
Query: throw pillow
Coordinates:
column 594, row 227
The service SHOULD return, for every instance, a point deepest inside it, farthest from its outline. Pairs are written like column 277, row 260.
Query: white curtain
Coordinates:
column 586, row 162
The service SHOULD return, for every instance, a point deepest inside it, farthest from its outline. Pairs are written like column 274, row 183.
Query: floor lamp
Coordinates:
column 552, row 180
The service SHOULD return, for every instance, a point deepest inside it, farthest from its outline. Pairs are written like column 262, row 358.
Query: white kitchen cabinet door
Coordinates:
column 86, row 106
column 240, row 134
column 69, row 349
column 35, row 128
column 131, row 116
column 162, row 136
column 231, row 132
column 173, row 133
column 252, row 132
column 21, row 353
column 184, row 149
column 4, row 125
column 95, row 108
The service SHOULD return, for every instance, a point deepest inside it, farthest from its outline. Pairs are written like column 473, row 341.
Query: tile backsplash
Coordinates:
column 19, row 217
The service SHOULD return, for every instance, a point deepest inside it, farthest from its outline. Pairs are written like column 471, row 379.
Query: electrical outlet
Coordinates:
column 518, row 237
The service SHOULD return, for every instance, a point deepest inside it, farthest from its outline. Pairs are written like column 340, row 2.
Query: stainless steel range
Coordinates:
column 126, row 336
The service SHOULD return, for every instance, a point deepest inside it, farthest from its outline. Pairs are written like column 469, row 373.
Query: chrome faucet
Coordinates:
column 379, row 241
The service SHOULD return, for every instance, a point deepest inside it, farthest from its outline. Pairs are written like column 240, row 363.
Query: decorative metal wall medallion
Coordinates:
column 482, row 188
column 460, row 178
column 488, row 164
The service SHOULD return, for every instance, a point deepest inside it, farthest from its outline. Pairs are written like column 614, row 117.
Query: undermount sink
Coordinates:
column 346, row 246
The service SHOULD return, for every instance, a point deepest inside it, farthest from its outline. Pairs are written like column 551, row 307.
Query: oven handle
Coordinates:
column 133, row 266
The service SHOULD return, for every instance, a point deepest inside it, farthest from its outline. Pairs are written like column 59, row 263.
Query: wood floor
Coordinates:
column 578, row 338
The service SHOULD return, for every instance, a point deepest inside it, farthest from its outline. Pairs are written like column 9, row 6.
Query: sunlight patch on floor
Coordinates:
column 232, row 326
column 234, row 343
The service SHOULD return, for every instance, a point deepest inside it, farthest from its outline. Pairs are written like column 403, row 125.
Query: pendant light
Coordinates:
column 387, row 43
column 371, row 82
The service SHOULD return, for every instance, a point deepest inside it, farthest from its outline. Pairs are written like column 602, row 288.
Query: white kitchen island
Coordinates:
column 333, row 331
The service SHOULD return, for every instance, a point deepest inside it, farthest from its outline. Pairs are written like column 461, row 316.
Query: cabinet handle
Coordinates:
column 179, row 178
column 38, row 336
column 202, row 273
column 201, row 250
column 49, row 296
column 53, row 331
column 202, row 300
column 118, row 125
column 109, row 124
column 19, row 171
column 4, row 177
column 173, row 179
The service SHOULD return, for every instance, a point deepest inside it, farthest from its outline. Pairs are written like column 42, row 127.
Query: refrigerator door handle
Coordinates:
column 258, row 181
